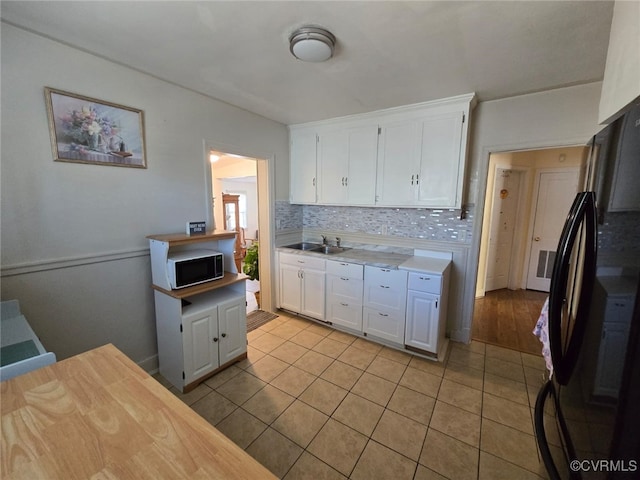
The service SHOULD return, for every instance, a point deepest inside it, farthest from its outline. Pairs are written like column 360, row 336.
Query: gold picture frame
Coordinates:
column 88, row 130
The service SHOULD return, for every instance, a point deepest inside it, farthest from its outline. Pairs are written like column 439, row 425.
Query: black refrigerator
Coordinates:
column 587, row 416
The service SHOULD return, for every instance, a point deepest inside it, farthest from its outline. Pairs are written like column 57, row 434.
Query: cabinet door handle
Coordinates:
column 412, row 179
column 425, row 278
column 345, row 279
column 300, row 261
column 215, row 339
column 383, row 314
column 346, row 181
column 224, row 335
column 344, row 304
column 384, row 286
column 417, row 179
column 301, row 273
column 343, row 181
column 314, row 181
column 385, row 270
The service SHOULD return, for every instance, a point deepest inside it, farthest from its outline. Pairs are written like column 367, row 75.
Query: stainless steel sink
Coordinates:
column 328, row 249
column 308, row 246
column 317, row 247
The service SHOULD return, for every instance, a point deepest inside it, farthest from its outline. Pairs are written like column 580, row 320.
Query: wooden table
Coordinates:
column 98, row 415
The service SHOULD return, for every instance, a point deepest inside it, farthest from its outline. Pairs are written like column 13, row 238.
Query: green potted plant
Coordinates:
column 250, row 267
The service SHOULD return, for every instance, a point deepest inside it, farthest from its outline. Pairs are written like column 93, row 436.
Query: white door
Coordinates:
column 332, row 166
column 506, row 192
column 313, row 289
column 290, row 287
column 303, row 166
column 556, row 191
column 421, row 330
column 200, row 341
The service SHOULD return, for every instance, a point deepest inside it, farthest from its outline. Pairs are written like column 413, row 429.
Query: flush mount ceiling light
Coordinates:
column 312, row 44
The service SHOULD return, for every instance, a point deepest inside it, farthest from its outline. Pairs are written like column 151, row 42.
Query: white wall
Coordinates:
column 566, row 116
column 621, row 83
column 73, row 236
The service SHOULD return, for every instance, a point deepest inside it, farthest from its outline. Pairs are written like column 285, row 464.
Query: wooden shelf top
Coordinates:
column 228, row 279
column 184, row 239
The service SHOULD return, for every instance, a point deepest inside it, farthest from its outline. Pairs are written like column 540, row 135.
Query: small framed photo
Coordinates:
column 87, row 130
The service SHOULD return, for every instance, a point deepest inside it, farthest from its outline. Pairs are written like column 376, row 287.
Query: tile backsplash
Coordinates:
column 430, row 224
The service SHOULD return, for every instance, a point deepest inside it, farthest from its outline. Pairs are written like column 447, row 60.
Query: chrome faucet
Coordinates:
column 324, row 240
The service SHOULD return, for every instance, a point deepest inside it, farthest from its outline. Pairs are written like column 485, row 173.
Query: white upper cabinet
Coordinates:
column 347, row 165
column 303, row 145
column 412, row 156
column 421, row 162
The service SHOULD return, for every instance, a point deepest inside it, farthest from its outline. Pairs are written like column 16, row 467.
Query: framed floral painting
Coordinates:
column 86, row 130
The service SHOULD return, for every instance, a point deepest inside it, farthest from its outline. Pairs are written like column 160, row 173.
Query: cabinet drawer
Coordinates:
column 303, row 261
column 344, row 289
column 395, row 279
column 425, row 282
column 344, row 269
column 384, row 324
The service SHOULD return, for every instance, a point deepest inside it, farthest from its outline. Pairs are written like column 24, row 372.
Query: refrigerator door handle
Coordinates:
column 564, row 354
column 541, row 436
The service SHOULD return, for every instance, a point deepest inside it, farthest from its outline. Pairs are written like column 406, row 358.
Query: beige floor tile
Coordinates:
column 342, row 337
column 254, row 334
column 221, row 377
column 293, row 380
column 330, row 348
column 475, row 346
column 323, row 395
column 357, row 357
column 502, row 353
column 253, row 355
column 449, row 457
column 494, row 468
column 461, row 396
column 342, row 374
column 313, row 362
column 387, row 369
column 214, row 407
column 241, row 427
column 509, row 444
column 338, row 445
column 401, row 434
column 267, row 368
column 358, row 413
column 417, row 406
column 300, row 423
column 506, row 388
column 276, row 322
column 466, row 357
column 533, row 361
column 267, row 342
column 502, row 368
column 471, row 377
column 426, row 365
column 300, row 322
column 509, row 413
column 367, row 346
column 535, row 377
column 268, row 403
column 374, row 388
column 319, row 329
column 289, row 352
column 286, row 330
column 380, row 462
column 456, row 423
column 275, row 451
column 420, row 381
column 395, row 355
column 307, row 339
column 241, row 387
column 424, row 473
column 309, row 467
column 194, row 395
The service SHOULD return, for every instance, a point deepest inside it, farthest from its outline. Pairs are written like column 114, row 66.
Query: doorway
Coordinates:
column 239, row 193
column 519, row 183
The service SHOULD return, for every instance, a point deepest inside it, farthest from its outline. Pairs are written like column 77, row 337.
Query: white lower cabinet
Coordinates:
column 202, row 335
column 344, row 294
column 385, row 301
column 426, row 311
column 302, row 285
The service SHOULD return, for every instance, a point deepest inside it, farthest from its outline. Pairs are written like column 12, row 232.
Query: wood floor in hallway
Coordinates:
column 506, row 318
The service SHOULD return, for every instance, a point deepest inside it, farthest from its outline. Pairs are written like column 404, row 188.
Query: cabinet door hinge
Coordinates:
column 464, row 116
column 180, row 328
column 379, row 130
column 436, row 303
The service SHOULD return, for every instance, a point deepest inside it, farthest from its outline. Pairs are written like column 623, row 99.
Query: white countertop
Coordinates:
column 425, row 264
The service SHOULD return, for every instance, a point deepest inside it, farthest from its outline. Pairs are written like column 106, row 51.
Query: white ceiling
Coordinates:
column 387, row 54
